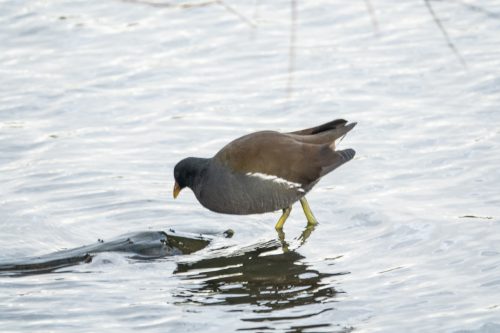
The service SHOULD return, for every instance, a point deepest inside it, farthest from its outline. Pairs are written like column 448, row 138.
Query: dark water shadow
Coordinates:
column 444, row 32
column 139, row 246
column 263, row 276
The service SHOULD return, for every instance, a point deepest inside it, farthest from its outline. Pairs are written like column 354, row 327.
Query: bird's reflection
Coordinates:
column 266, row 274
column 302, row 238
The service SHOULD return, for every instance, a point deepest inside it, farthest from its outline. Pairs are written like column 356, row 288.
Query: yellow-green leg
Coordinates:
column 311, row 220
column 281, row 221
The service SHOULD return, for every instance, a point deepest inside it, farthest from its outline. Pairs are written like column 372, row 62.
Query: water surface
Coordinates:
column 100, row 99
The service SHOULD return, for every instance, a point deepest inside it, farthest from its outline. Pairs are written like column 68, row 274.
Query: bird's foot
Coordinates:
column 281, row 237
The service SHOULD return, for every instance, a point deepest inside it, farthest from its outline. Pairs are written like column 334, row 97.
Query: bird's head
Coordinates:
column 186, row 173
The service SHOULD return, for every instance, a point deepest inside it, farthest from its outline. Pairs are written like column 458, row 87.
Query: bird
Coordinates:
column 265, row 171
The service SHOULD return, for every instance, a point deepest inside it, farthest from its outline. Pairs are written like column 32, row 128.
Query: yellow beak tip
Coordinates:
column 177, row 190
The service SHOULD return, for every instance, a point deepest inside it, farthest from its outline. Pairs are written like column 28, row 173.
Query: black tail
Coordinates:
column 322, row 128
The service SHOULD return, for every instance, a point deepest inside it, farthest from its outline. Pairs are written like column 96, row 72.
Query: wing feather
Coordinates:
column 280, row 155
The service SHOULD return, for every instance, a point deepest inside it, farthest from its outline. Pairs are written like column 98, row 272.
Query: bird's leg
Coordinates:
column 281, row 221
column 279, row 228
column 311, row 220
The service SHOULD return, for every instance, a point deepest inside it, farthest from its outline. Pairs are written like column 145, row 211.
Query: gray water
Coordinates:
column 100, row 99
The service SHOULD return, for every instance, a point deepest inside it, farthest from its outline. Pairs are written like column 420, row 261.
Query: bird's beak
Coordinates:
column 177, row 189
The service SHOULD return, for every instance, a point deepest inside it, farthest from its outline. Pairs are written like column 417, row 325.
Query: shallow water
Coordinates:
column 100, row 99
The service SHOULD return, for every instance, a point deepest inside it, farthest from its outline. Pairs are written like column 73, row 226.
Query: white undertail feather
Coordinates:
column 276, row 179
column 334, row 144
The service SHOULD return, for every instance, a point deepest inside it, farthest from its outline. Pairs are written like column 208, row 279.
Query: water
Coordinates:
column 100, row 99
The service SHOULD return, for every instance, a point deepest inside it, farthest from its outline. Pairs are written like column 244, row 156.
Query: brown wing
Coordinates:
column 281, row 155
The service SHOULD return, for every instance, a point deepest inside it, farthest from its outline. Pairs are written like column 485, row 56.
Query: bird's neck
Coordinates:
column 200, row 170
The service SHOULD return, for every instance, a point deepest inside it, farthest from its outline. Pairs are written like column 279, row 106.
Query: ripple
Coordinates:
column 99, row 100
